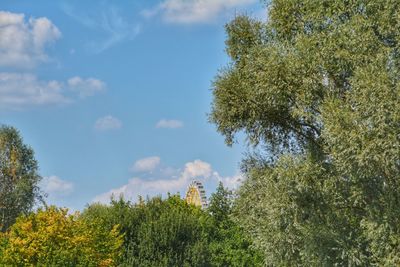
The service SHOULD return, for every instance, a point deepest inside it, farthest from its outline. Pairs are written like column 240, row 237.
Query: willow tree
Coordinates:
column 316, row 91
column 19, row 177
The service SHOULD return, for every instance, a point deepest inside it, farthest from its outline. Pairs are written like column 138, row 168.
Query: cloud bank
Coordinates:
column 23, row 90
column 164, row 182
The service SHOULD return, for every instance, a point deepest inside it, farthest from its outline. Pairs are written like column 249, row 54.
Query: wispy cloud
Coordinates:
column 146, row 164
column 107, row 123
column 193, row 11
column 171, row 124
column 56, row 187
column 86, row 87
column 23, row 90
column 165, row 182
column 23, row 42
column 109, row 22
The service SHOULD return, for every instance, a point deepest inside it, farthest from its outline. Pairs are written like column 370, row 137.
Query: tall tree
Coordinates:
column 221, row 202
column 316, row 88
column 229, row 245
column 19, row 177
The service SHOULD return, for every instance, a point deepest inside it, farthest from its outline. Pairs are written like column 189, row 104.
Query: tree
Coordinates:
column 157, row 232
column 169, row 232
column 19, row 177
column 51, row 237
column 221, row 202
column 229, row 245
column 316, row 89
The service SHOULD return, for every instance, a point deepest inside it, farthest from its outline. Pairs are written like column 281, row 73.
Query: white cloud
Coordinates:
column 23, row 43
column 86, row 87
column 232, row 182
column 22, row 90
column 193, row 11
column 54, row 186
column 107, row 123
column 146, row 165
column 195, row 170
column 172, row 124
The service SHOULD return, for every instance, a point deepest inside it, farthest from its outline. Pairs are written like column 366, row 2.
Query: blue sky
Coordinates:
column 113, row 96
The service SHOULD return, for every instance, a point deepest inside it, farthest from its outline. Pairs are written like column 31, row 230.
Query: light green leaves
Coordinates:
column 316, row 88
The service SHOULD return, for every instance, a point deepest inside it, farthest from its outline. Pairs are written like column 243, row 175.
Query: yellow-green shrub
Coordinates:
column 52, row 237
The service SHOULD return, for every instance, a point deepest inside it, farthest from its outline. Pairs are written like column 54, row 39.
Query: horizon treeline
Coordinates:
column 151, row 232
column 155, row 232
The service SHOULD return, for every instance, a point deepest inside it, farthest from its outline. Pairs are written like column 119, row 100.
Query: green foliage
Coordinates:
column 229, row 245
column 220, row 206
column 154, row 232
column 19, row 177
column 172, row 233
column 157, row 232
column 51, row 237
column 317, row 89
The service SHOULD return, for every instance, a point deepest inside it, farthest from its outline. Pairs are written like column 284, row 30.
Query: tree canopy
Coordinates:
column 170, row 232
column 19, row 177
column 52, row 237
column 229, row 244
column 316, row 89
